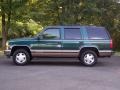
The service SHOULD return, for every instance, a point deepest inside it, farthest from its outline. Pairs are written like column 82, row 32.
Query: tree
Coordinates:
column 7, row 7
column 27, row 15
column 4, row 33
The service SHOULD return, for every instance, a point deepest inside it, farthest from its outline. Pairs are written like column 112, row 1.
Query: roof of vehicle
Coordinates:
column 71, row 26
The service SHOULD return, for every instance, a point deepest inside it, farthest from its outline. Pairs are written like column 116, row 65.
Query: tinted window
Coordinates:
column 51, row 34
column 72, row 33
column 97, row 33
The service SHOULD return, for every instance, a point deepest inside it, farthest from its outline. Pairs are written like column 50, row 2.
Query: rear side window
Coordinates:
column 72, row 33
column 97, row 33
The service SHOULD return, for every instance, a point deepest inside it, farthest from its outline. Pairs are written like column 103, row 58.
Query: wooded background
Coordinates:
column 23, row 18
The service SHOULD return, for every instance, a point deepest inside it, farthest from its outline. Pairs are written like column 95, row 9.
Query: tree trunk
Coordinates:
column 8, row 22
column 4, row 35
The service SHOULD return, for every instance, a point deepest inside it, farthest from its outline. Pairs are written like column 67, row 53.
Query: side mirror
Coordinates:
column 40, row 37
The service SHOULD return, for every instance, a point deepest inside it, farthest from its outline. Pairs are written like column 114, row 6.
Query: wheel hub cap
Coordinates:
column 89, row 58
column 20, row 57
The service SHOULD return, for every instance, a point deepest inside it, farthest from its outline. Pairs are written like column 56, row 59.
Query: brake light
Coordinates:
column 111, row 43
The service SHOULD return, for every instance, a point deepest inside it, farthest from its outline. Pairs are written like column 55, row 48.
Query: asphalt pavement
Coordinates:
column 60, row 74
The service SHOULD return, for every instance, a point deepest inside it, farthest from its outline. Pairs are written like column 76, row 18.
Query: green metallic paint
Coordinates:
column 30, row 42
column 39, row 44
column 49, row 44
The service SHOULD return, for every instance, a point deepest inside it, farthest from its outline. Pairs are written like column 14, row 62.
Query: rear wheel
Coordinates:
column 88, row 58
column 21, row 57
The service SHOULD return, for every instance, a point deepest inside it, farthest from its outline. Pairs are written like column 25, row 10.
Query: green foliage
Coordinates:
column 20, row 29
column 29, row 16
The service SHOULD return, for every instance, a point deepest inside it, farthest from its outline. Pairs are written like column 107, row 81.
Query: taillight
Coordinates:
column 111, row 44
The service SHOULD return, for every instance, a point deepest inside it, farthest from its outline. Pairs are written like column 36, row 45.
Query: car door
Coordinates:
column 50, row 43
column 72, row 41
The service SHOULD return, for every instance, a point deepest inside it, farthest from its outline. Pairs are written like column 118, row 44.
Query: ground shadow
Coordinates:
column 107, row 62
column 59, row 62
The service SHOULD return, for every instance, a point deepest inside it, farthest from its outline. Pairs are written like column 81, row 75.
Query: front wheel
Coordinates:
column 21, row 57
column 88, row 58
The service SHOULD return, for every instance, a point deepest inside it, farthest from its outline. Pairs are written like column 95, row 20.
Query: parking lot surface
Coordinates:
column 60, row 74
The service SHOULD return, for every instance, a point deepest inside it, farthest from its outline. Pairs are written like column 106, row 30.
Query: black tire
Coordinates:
column 25, row 57
column 88, row 62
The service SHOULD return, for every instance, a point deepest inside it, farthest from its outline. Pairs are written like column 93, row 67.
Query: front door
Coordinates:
column 50, row 44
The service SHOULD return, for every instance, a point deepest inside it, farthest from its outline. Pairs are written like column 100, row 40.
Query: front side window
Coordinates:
column 51, row 34
column 72, row 33
column 97, row 33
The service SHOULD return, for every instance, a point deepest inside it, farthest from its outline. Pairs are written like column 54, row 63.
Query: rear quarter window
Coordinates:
column 97, row 33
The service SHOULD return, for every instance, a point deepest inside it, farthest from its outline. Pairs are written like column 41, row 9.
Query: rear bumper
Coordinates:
column 7, row 53
column 106, row 53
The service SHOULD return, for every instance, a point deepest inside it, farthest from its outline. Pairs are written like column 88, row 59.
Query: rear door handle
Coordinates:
column 59, row 45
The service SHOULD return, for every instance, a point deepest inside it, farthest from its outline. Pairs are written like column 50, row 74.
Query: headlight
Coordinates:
column 7, row 45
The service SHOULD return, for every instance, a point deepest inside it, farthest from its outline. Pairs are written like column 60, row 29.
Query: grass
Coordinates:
column 117, row 53
column 1, row 53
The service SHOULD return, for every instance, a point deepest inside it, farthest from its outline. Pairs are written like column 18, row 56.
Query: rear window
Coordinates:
column 72, row 33
column 97, row 33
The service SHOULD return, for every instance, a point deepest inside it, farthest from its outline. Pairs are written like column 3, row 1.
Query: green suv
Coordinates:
column 87, row 43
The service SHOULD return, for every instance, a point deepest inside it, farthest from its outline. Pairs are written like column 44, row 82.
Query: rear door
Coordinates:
column 72, row 40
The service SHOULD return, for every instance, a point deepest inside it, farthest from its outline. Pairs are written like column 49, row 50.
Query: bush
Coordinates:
column 20, row 29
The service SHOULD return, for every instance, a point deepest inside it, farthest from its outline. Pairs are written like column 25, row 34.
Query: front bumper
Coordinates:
column 7, row 53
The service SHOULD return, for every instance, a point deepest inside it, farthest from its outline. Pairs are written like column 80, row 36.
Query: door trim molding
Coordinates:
column 55, row 51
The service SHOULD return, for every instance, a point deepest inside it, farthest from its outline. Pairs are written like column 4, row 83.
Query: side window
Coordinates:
column 97, row 33
column 51, row 33
column 72, row 33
